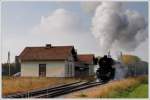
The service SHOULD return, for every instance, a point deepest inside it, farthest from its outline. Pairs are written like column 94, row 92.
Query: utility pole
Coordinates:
column 8, row 62
column 121, row 57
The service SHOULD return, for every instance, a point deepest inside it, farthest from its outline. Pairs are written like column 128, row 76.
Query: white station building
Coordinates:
column 55, row 61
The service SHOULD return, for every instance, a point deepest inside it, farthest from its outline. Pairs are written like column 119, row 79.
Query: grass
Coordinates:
column 112, row 90
column 134, row 87
column 82, row 95
column 12, row 85
column 125, row 88
column 139, row 89
column 139, row 92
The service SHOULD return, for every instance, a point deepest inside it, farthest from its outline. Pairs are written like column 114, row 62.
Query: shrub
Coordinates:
column 82, row 95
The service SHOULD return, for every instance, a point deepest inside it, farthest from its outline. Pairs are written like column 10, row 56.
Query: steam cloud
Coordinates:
column 116, row 27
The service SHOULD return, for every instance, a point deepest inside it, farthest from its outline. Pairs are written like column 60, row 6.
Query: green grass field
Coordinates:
column 141, row 91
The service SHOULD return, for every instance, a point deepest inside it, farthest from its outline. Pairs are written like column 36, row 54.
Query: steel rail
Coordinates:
column 62, row 89
column 36, row 91
column 56, row 91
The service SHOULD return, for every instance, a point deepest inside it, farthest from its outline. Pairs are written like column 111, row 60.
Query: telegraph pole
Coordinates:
column 121, row 57
column 8, row 62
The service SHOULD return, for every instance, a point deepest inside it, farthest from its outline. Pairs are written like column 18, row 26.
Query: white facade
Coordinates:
column 53, row 68
column 64, row 68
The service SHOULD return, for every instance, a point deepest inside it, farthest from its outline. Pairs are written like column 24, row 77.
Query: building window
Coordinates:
column 42, row 70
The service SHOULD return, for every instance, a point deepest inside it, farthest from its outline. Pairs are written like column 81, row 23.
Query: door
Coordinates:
column 81, row 71
column 42, row 70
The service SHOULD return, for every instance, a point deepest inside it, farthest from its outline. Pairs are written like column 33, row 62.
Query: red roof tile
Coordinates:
column 86, row 58
column 45, row 53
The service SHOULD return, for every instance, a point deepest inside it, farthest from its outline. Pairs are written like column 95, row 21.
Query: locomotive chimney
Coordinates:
column 109, row 56
column 48, row 45
column 121, row 56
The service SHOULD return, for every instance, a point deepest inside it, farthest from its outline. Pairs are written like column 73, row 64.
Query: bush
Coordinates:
column 128, row 59
column 143, row 79
column 82, row 95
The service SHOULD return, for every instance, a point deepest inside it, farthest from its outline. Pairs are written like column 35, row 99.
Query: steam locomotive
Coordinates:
column 105, row 72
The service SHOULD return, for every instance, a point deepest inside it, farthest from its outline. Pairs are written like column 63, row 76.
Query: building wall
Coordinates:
column 29, row 69
column 91, row 69
column 53, row 68
column 70, row 67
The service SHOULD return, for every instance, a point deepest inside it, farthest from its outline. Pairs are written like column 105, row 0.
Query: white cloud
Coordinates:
column 89, row 7
column 59, row 22
column 62, row 27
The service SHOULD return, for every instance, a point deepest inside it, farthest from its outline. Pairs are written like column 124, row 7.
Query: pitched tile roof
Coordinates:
column 45, row 53
column 86, row 58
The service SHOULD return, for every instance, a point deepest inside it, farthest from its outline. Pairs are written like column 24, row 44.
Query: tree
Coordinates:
column 13, row 69
column 129, row 59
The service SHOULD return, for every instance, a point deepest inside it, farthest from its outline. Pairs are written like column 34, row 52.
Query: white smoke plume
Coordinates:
column 116, row 27
column 121, row 70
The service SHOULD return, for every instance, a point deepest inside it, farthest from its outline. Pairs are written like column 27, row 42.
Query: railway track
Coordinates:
column 55, row 91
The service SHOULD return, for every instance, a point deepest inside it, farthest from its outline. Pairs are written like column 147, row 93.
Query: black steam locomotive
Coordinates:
column 105, row 72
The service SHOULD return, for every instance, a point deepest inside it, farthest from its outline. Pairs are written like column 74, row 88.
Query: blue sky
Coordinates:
column 19, row 19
